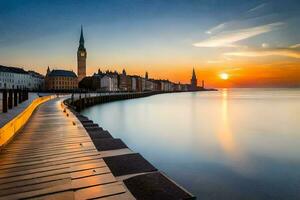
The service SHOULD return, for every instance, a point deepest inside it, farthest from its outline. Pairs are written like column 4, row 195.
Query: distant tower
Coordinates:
column 81, row 58
column 146, row 76
column 48, row 70
column 194, row 80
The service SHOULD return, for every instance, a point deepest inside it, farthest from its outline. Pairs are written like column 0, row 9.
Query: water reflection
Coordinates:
column 225, row 135
column 231, row 144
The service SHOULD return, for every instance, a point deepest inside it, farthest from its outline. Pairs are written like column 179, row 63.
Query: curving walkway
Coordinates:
column 54, row 158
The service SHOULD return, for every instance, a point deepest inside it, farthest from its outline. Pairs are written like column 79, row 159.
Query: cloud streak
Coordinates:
column 285, row 52
column 228, row 38
column 216, row 28
column 295, row 46
column 257, row 8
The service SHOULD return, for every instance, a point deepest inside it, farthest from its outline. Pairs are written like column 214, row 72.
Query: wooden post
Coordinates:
column 26, row 94
column 15, row 98
column 20, row 95
column 4, row 101
column 10, row 99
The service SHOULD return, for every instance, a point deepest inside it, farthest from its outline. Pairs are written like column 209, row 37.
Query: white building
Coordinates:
column 37, row 81
column 167, row 86
column 143, row 84
column 109, row 83
column 18, row 78
column 133, row 83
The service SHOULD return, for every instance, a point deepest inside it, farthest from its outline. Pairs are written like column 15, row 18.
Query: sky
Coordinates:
column 256, row 42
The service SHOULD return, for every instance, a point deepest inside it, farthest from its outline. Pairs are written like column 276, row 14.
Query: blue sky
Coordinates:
column 168, row 35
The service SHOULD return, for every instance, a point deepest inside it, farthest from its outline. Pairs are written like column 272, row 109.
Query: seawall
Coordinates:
column 141, row 178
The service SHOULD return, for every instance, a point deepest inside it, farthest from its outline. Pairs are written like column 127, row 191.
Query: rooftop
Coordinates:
column 59, row 72
column 16, row 70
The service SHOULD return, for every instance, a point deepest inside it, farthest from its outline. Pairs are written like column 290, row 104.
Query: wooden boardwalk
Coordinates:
column 54, row 158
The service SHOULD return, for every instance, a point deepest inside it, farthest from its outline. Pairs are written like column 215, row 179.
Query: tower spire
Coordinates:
column 81, row 40
column 194, row 74
column 81, row 57
column 194, row 80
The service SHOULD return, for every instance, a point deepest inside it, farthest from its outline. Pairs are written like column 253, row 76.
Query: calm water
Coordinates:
column 230, row 144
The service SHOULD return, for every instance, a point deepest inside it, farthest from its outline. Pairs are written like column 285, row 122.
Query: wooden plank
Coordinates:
column 123, row 196
column 51, row 158
column 57, row 196
column 54, row 161
column 76, row 184
column 28, row 188
column 45, row 166
column 99, row 191
column 17, row 161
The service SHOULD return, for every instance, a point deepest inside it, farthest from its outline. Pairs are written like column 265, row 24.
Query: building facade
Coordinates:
column 37, row 81
column 60, row 80
column 123, row 81
column 18, row 78
column 109, row 83
column 81, row 58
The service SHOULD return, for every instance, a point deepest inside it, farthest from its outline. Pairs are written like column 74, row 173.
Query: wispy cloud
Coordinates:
column 216, row 28
column 286, row 52
column 251, row 14
column 295, row 46
column 228, row 38
column 256, row 8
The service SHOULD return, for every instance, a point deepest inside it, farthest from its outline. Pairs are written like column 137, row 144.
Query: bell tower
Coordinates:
column 81, row 58
column 194, row 81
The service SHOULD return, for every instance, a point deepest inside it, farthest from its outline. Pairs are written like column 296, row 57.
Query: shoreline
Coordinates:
column 88, row 101
column 141, row 178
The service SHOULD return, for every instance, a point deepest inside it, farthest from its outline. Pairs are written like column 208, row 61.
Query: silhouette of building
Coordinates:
column 60, row 80
column 194, row 81
column 81, row 58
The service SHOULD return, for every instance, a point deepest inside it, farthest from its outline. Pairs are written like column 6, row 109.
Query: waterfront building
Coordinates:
column 123, row 81
column 133, row 83
column 194, row 81
column 178, row 87
column 166, row 86
column 106, row 83
column 136, row 83
column 112, row 81
column 60, row 80
column 90, row 83
column 143, row 84
column 81, row 58
column 139, row 84
column 18, row 78
column 129, row 83
column 148, row 83
column 109, row 83
column 37, row 81
column 114, row 78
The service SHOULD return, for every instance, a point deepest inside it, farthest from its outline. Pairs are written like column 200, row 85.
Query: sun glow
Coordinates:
column 224, row 76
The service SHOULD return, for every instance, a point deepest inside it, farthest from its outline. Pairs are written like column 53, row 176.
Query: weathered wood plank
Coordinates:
column 53, row 157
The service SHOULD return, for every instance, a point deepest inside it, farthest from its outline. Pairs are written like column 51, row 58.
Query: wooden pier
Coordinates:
column 54, row 158
column 60, row 154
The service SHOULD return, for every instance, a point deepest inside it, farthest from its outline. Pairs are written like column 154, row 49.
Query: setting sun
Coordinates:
column 224, row 76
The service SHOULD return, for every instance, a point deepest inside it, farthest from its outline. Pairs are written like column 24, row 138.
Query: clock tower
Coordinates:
column 81, row 58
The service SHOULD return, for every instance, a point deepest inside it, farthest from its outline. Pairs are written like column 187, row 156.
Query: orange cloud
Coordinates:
column 269, row 52
column 228, row 38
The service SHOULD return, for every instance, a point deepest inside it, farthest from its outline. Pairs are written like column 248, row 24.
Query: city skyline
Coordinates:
column 254, row 43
